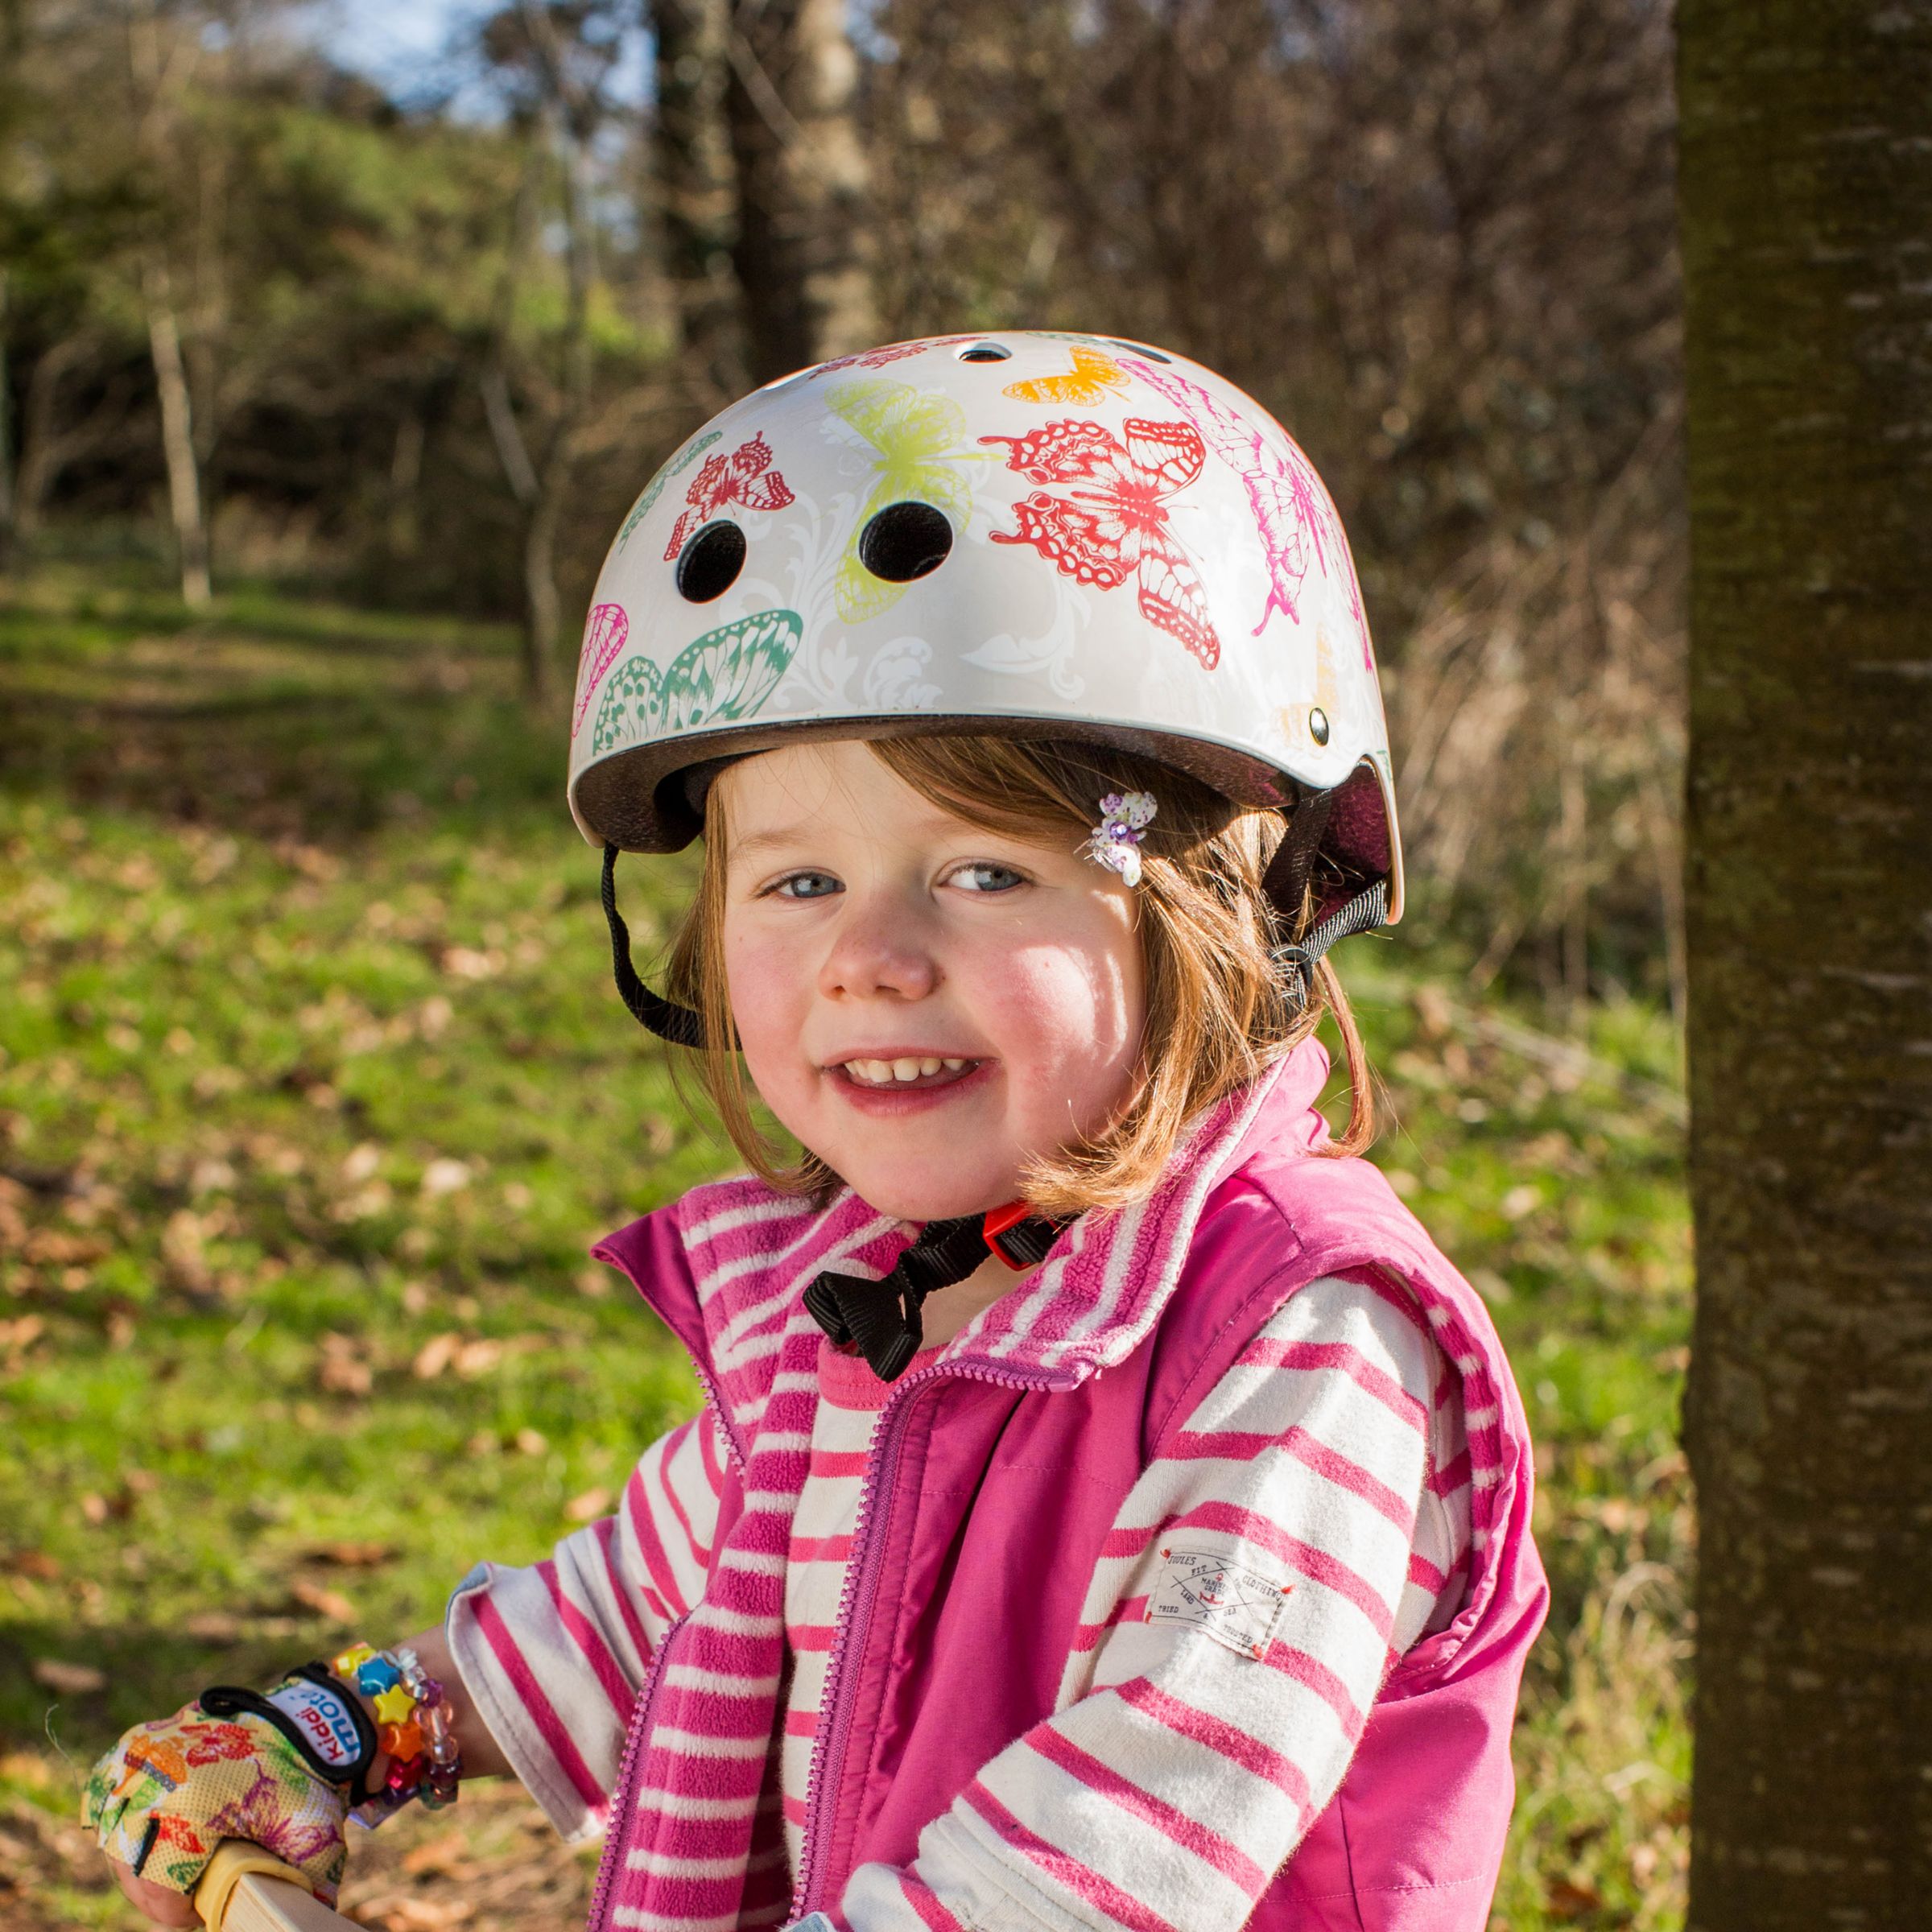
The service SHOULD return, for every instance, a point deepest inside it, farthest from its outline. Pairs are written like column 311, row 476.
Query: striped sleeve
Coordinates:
column 553, row 1654
column 1187, row 1759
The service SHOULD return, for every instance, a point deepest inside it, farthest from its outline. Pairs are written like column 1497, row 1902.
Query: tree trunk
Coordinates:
column 178, row 440
column 695, row 198
column 402, row 532
column 1806, row 187
column 801, row 258
column 7, row 438
column 546, row 619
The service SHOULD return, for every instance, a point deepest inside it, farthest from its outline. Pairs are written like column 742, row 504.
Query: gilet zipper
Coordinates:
column 855, row 1598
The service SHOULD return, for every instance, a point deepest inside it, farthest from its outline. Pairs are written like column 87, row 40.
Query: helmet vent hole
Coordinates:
column 905, row 541
column 1140, row 348
column 985, row 352
column 709, row 565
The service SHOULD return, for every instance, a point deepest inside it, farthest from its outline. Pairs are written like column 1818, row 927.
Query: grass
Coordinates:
column 313, row 1090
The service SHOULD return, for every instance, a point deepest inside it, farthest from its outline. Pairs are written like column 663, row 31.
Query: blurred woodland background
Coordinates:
column 421, row 351
column 319, row 402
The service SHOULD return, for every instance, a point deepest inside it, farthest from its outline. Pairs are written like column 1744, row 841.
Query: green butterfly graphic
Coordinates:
column 723, row 675
column 921, row 443
column 654, row 488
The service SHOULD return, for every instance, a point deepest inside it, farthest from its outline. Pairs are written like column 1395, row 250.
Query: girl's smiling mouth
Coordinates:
column 903, row 1077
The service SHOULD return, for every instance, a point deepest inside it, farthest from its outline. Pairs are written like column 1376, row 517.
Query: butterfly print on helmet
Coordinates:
column 1090, row 380
column 745, row 480
column 893, row 351
column 606, row 631
column 1111, row 523
column 917, row 442
column 1293, row 515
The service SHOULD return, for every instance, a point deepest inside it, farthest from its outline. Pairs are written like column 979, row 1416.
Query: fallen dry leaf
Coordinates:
column 443, row 1177
column 48, row 1247
column 34, row 1563
column 361, row 1163
column 435, row 1356
column 68, row 1680
column 352, row 1556
column 478, row 1358
column 403, row 1912
column 324, row 1601
column 213, row 1627
column 437, row 1855
column 1568, row 1900
column 344, row 1375
column 467, row 963
column 589, row 1507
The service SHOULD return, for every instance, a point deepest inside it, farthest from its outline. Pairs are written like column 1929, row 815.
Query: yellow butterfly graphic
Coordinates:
column 921, row 450
column 1092, row 376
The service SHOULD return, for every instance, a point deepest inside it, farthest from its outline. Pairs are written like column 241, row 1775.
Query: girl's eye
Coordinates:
column 807, row 885
column 984, row 875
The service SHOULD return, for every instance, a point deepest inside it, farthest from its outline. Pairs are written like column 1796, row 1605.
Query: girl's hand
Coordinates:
column 169, row 1792
column 155, row 1903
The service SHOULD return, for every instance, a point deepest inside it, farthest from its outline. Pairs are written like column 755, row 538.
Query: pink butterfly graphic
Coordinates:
column 260, row 1816
column 1293, row 515
column 877, row 358
column 1112, row 524
column 606, row 630
column 745, row 479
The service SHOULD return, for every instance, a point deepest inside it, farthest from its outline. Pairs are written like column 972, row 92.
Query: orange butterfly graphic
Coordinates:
column 1091, row 377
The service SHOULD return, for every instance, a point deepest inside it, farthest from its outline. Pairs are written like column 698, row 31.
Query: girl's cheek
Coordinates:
column 767, row 1006
column 1075, row 1007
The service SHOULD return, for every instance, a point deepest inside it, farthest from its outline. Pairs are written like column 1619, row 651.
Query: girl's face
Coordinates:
column 924, row 1004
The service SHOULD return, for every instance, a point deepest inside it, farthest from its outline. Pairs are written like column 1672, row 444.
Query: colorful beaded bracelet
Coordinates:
column 413, row 1725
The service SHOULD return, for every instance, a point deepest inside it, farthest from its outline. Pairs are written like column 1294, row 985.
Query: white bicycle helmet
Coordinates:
column 1052, row 536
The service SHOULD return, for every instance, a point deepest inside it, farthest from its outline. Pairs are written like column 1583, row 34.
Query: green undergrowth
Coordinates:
column 313, row 1092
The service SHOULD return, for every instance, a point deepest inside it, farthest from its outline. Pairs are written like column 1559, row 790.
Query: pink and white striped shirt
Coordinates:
column 1337, row 1437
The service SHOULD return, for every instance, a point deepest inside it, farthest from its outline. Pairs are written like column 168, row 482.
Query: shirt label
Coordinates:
column 1235, row 1606
column 322, row 1720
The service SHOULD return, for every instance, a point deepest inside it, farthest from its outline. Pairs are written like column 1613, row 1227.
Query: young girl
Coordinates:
column 1108, row 1509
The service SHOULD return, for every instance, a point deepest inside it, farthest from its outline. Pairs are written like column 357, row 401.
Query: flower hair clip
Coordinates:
column 1116, row 841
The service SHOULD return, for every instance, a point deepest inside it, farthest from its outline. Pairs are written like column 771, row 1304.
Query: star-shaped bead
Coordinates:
column 394, row 1705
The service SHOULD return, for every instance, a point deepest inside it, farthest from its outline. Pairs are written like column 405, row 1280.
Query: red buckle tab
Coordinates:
column 996, row 1223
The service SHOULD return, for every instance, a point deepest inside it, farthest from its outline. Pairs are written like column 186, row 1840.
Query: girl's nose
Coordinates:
column 877, row 953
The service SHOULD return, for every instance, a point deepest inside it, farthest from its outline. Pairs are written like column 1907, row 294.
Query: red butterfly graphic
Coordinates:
column 217, row 1743
column 1112, row 523
column 740, row 478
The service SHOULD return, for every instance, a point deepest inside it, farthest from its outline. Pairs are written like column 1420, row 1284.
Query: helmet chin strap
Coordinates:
column 677, row 1024
column 881, row 1319
column 1285, row 885
column 1364, row 913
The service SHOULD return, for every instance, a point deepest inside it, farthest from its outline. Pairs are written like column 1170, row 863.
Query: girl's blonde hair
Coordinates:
column 1217, row 1010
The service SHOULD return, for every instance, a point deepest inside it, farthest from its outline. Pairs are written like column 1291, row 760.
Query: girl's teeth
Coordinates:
column 883, row 1073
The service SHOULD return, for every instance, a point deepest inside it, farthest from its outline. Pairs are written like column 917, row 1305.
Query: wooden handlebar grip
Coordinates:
column 246, row 1889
